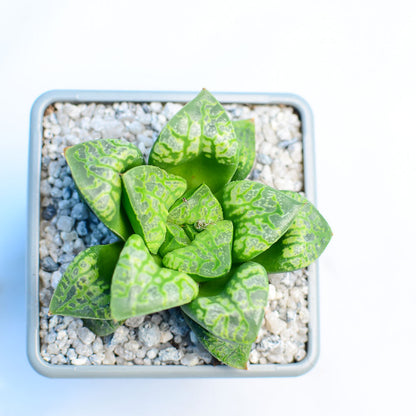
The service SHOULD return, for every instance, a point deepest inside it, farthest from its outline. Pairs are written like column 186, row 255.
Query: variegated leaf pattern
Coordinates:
column 246, row 137
column 303, row 242
column 175, row 238
column 198, row 207
column 140, row 286
column 148, row 193
column 95, row 166
column 236, row 312
column 208, row 255
column 230, row 353
column 260, row 214
column 84, row 289
column 101, row 327
column 198, row 143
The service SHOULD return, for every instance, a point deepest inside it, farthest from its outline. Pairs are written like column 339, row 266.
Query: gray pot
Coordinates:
column 33, row 339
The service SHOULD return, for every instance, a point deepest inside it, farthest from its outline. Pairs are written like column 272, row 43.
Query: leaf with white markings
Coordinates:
column 208, row 255
column 303, row 242
column 198, row 143
column 140, row 286
column 84, row 289
column 198, row 206
column 230, row 353
column 96, row 166
column 260, row 214
column 236, row 311
column 175, row 238
column 101, row 327
column 148, row 193
column 246, row 137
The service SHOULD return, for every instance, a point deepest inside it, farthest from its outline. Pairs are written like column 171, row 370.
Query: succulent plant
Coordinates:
column 194, row 232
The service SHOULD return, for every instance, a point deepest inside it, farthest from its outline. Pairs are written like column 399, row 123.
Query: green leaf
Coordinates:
column 260, row 214
column 230, row 353
column 199, row 144
column 246, row 137
column 84, row 289
column 303, row 242
column 175, row 238
column 234, row 313
column 190, row 231
column 140, row 286
column 198, row 206
column 148, row 194
column 95, row 168
column 208, row 255
column 101, row 327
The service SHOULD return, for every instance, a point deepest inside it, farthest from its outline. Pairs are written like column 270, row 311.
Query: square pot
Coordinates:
column 33, row 284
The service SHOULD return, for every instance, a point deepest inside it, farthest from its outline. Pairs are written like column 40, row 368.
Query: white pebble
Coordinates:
column 86, row 336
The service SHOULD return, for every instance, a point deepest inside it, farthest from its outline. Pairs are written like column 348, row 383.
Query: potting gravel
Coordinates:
column 67, row 226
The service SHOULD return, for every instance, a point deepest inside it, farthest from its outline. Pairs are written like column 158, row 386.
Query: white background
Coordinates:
column 354, row 62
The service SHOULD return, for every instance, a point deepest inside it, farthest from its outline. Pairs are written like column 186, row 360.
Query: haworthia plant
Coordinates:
column 230, row 353
column 84, row 289
column 140, row 286
column 95, row 168
column 236, row 312
column 198, row 207
column 148, row 194
column 303, row 242
column 245, row 132
column 200, row 240
column 208, row 255
column 260, row 214
column 199, row 144
column 176, row 237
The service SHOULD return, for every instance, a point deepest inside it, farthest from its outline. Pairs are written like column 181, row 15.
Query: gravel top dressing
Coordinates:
column 68, row 226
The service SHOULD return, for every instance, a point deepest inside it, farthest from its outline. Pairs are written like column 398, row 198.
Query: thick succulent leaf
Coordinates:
column 175, row 238
column 190, row 231
column 260, row 214
column 197, row 207
column 148, row 193
column 140, row 286
column 230, row 353
column 208, row 255
column 101, row 327
column 95, row 168
column 246, row 137
column 236, row 312
column 84, row 289
column 198, row 143
column 303, row 242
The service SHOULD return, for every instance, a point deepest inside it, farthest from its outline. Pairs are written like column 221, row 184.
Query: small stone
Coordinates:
column 120, row 335
column 97, row 345
column 86, row 336
column 56, row 278
column 190, row 360
column 48, row 265
column 170, row 354
column 66, row 193
column 254, row 357
column 80, row 361
column 165, row 336
column 80, row 211
column 152, row 353
column 48, row 212
column 65, row 223
column 82, row 349
column 273, row 323
column 149, row 334
column 109, row 358
column 134, row 322
column 264, row 159
column 82, row 229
